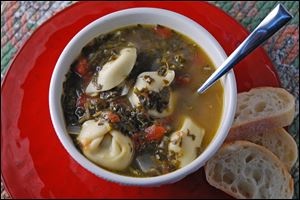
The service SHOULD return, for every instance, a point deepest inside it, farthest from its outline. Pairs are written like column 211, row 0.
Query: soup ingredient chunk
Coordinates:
column 155, row 132
column 185, row 142
column 108, row 148
column 164, row 110
column 113, row 72
column 146, row 163
column 152, row 91
column 154, row 81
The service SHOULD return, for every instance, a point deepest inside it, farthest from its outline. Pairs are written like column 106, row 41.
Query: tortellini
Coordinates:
column 113, row 72
column 104, row 146
column 185, row 142
column 153, row 82
column 168, row 111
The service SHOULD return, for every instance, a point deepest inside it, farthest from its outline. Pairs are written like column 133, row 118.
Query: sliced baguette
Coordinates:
column 247, row 170
column 278, row 141
column 262, row 109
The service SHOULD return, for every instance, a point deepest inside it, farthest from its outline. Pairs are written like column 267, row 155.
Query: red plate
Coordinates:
column 34, row 164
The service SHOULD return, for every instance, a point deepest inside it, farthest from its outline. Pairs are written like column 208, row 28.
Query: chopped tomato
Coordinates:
column 113, row 117
column 120, row 101
column 155, row 132
column 82, row 67
column 163, row 31
column 183, row 79
column 81, row 100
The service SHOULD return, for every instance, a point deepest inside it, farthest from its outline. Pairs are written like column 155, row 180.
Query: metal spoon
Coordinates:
column 277, row 18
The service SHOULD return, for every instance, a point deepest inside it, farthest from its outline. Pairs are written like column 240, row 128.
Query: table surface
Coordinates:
column 20, row 19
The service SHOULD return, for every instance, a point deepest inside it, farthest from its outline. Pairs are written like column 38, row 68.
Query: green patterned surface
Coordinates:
column 20, row 19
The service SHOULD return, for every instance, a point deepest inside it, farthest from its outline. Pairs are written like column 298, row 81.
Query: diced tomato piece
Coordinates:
column 81, row 100
column 163, row 31
column 113, row 117
column 155, row 132
column 120, row 101
column 183, row 79
column 82, row 67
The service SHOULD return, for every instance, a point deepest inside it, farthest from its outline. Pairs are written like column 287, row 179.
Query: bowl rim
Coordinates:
column 171, row 177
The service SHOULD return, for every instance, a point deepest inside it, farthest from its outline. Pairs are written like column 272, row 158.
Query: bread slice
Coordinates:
column 247, row 170
column 278, row 141
column 262, row 109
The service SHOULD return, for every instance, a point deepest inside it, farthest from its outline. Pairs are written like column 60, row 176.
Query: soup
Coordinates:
column 130, row 102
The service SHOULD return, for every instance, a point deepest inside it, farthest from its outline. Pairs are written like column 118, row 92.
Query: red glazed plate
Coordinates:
column 34, row 163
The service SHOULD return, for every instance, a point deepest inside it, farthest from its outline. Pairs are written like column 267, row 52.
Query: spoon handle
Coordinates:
column 277, row 18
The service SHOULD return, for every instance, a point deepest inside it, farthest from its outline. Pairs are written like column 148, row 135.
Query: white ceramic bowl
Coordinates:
column 123, row 18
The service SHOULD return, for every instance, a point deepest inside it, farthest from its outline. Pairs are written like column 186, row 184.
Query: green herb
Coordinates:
column 190, row 135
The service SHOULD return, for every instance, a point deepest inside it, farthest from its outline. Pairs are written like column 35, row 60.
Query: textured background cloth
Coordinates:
column 20, row 19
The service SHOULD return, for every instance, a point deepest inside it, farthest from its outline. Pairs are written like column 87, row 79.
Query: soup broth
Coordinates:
column 130, row 101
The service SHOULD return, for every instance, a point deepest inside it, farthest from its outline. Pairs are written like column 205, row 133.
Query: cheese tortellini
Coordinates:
column 154, row 82
column 108, row 148
column 185, row 142
column 114, row 72
column 166, row 112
